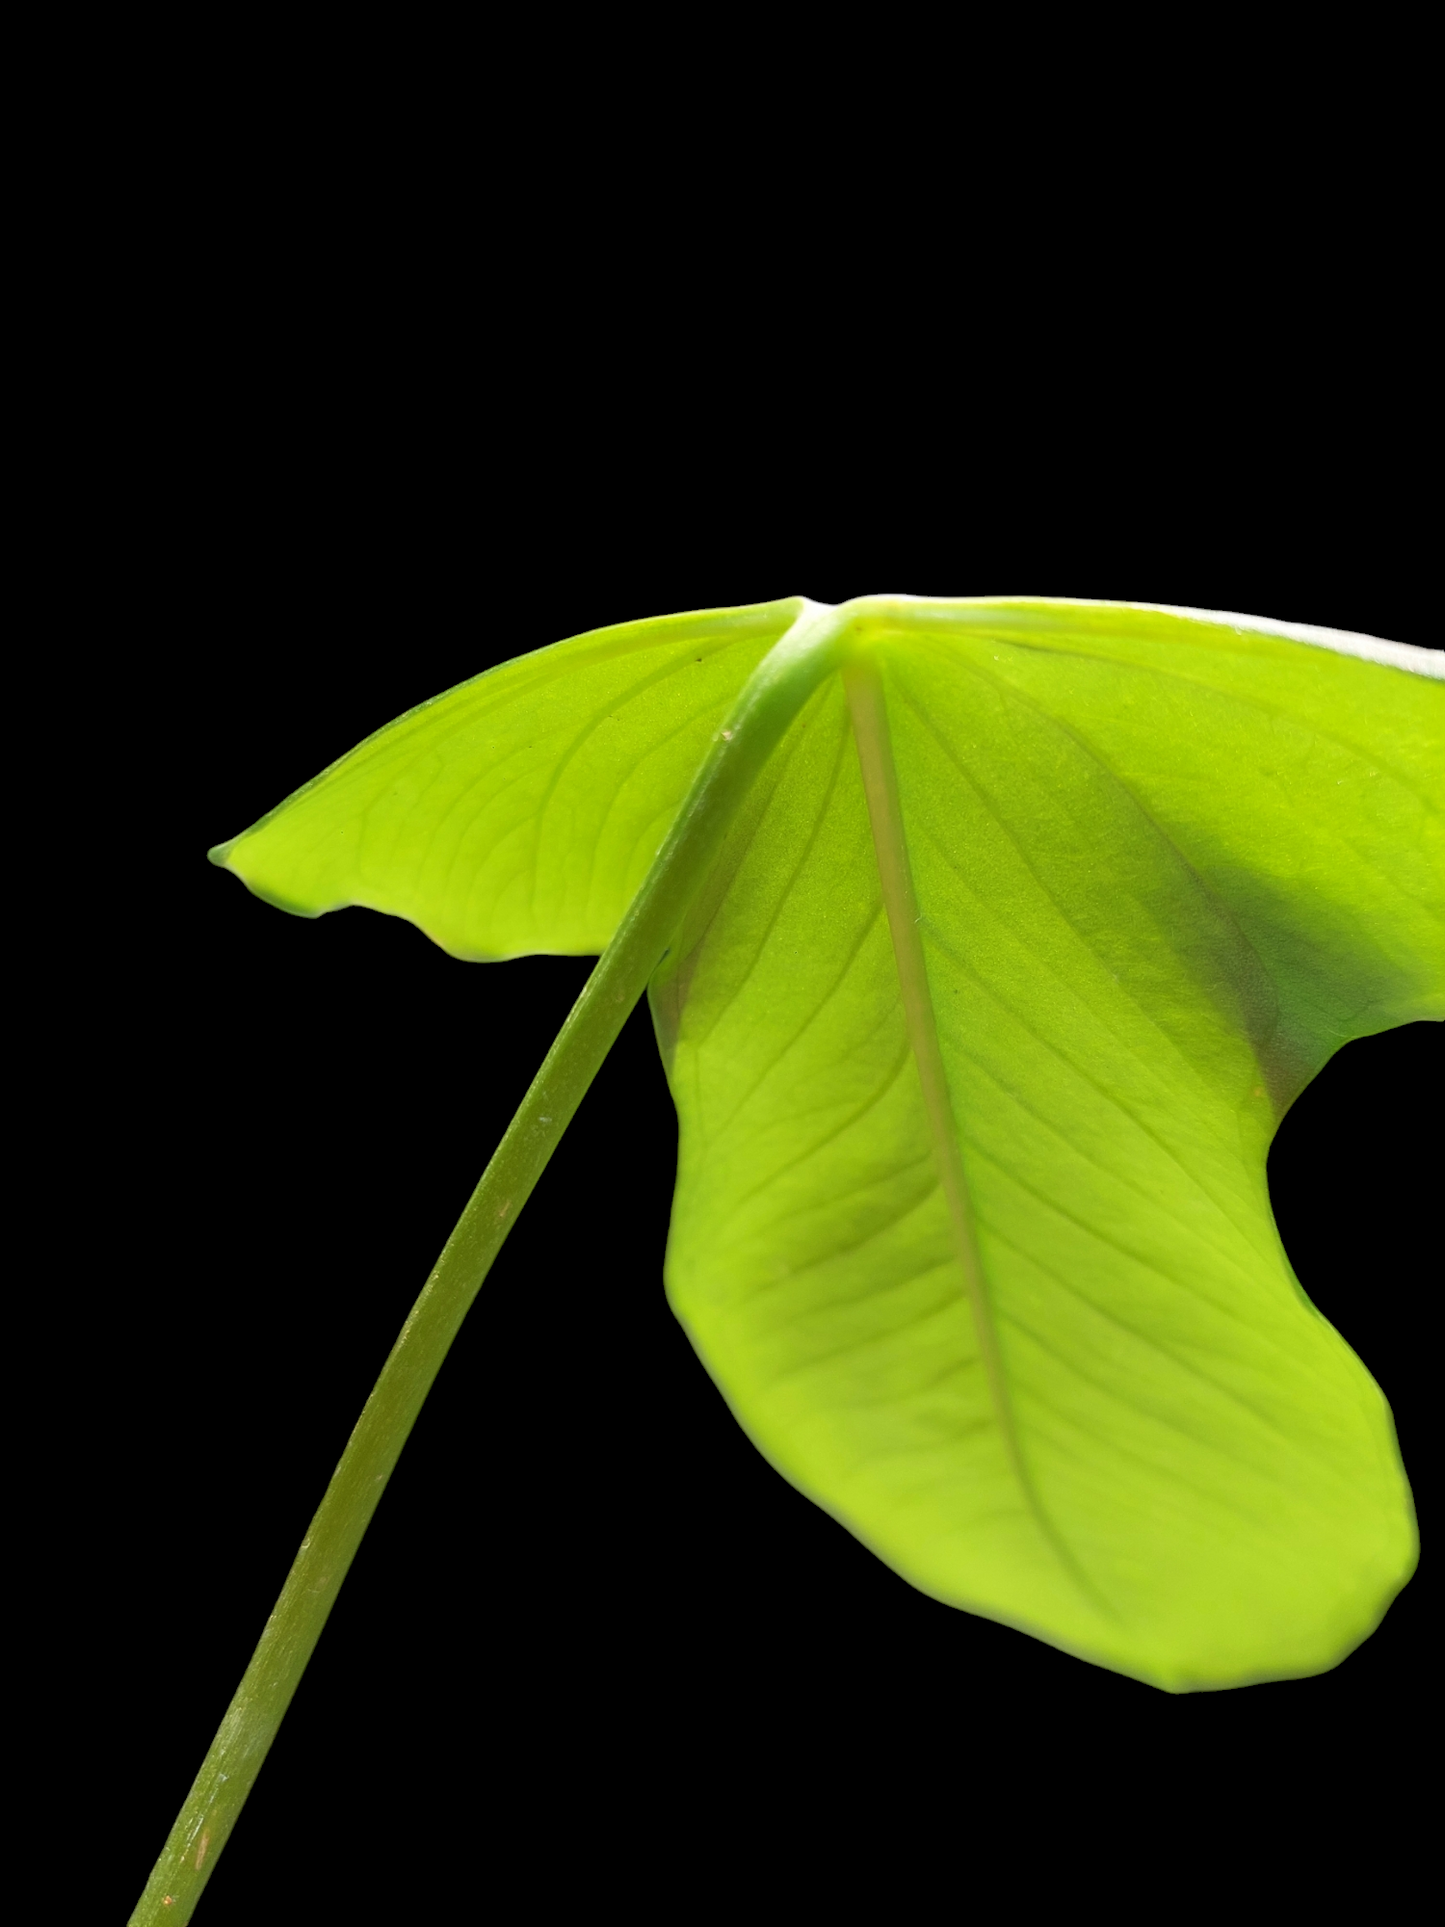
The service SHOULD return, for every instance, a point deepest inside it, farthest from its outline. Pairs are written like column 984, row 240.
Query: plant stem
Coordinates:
column 773, row 696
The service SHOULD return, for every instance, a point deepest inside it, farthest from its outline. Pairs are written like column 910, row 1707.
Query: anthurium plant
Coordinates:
column 987, row 942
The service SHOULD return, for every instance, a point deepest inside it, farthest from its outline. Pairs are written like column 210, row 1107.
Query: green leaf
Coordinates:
column 1036, row 921
column 519, row 812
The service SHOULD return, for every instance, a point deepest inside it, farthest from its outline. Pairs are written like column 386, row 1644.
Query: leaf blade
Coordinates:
column 518, row 812
column 1214, row 1451
column 1164, row 863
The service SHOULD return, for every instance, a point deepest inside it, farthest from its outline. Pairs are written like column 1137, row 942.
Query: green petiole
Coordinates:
column 778, row 689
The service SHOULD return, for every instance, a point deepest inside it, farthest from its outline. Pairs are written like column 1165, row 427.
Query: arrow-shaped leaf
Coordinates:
column 1031, row 927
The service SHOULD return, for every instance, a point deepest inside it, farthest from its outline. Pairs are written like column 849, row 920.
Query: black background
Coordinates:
column 592, row 1643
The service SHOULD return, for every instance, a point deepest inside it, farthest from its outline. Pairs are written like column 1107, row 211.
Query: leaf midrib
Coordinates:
column 869, row 714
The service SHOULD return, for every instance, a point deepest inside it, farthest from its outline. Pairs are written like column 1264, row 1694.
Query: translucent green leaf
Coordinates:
column 519, row 812
column 1034, row 924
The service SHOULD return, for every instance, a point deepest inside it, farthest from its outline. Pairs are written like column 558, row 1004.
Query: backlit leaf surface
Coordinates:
column 1157, row 868
column 519, row 812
